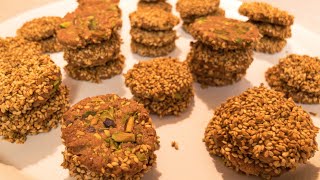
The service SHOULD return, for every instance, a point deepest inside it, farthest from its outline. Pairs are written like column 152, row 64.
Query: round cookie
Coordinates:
column 163, row 85
column 161, row 4
column 224, row 33
column 260, row 11
column 297, row 76
column 269, row 45
column 153, row 19
column 188, row 8
column 96, row 73
column 108, row 137
column 152, row 51
column 272, row 30
column 153, row 38
column 40, row 28
column 260, row 133
column 94, row 54
column 16, row 127
column 27, row 78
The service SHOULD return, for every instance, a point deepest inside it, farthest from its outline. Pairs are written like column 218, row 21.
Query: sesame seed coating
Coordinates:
column 153, row 38
column 261, row 133
column 297, row 76
column 96, row 73
column 27, row 78
column 259, row 11
column 152, row 51
column 89, row 24
column 94, row 54
column 50, row 45
column 269, row 45
column 224, row 33
column 158, row 77
column 188, row 8
column 153, row 19
column 161, row 4
column 218, row 67
column 108, row 137
column 272, row 30
column 16, row 127
column 40, row 28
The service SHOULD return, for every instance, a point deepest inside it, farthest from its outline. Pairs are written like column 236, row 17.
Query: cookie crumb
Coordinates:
column 175, row 145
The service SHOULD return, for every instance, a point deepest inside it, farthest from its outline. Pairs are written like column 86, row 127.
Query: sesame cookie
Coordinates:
column 153, row 38
column 272, row 30
column 163, row 85
column 94, row 54
column 152, row 51
column 188, row 8
column 108, row 137
column 96, row 73
column 297, row 76
column 88, row 25
column 27, row 78
column 40, row 28
column 16, row 127
column 259, row 133
column 153, row 19
column 161, row 4
column 269, row 45
column 260, row 11
column 50, row 45
column 224, row 33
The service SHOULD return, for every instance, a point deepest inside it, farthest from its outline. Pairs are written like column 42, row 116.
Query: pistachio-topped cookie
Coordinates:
column 259, row 11
column 224, row 33
column 108, row 137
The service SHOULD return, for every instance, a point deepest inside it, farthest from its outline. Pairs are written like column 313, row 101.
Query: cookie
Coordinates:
column 273, row 30
column 188, row 8
column 153, row 38
column 152, row 51
column 270, row 45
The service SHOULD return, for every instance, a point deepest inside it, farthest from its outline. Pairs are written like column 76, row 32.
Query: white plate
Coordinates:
column 41, row 156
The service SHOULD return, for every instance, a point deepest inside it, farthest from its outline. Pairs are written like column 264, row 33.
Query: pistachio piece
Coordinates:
column 65, row 24
column 107, row 133
column 130, row 124
column 141, row 156
column 88, row 113
column 124, row 137
column 107, row 114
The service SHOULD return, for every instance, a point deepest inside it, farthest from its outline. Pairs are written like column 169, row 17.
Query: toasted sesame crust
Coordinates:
column 161, row 4
column 168, row 77
column 152, row 51
column 260, row 133
column 224, row 33
column 94, row 54
column 27, row 78
column 272, row 30
column 108, row 137
column 92, row 24
column 188, row 8
column 269, row 45
column 97, row 73
column 297, row 76
column 259, row 11
column 16, row 127
column 40, row 28
column 153, row 38
column 153, row 19
column 50, row 45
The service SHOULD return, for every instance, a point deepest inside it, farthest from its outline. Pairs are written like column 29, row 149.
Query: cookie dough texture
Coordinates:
column 298, row 77
column 259, row 11
column 108, row 137
column 163, row 85
column 261, row 133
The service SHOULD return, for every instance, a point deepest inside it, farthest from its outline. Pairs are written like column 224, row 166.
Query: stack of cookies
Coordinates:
column 223, row 51
column 192, row 9
column 91, row 40
column 43, row 31
column 162, row 85
column 298, row 77
column 32, row 99
column 273, row 23
column 152, row 31
column 261, row 133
